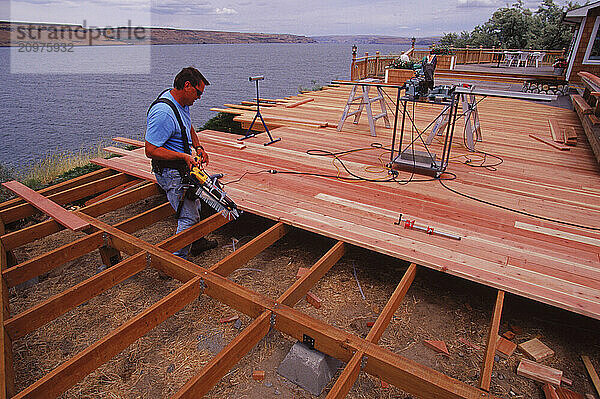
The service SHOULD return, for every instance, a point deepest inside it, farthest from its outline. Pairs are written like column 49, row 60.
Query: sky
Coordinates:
column 419, row 18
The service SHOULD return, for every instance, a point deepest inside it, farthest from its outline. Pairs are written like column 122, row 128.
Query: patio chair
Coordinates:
column 509, row 58
column 538, row 58
column 523, row 57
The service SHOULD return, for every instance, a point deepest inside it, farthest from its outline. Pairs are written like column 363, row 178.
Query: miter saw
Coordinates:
column 209, row 189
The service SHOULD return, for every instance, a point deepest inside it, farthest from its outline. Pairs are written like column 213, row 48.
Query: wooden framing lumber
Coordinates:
column 556, row 131
column 21, row 237
column 249, row 250
column 75, row 369
column 59, row 304
column 301, row 286
column 350, row 374
column 23, row 210
column 219, row 365
column 60, row 214
column 550, row 142
column 580, row 103
column 234, row 351
column 347, row 378
column 7, row 375
column 539, row 372
column 116, row 190
column 297, row 103
column 592, row 372
column 46, row 311
column 392, row 305
column 485, row 377
column 48, row 261
column 62, row 186
column 128, row 141
column 404, row 373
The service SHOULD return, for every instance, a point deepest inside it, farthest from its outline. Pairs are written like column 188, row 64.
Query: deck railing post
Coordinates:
column 376, row 63
column 353, row 66
column 365, row 66
column 480, row 52
column 7, row 374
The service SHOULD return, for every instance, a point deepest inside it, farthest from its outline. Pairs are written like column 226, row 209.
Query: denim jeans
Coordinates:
column 170, row 181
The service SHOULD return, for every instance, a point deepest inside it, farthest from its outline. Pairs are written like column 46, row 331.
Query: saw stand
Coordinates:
column 258, row 115
column 472, row 125
column 365, row 102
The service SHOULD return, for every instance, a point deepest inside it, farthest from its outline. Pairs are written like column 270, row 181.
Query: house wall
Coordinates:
column 578, row 65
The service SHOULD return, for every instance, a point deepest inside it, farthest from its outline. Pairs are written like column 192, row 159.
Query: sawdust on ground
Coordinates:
column 437, row 307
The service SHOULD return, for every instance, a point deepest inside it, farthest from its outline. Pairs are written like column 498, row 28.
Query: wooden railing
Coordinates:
column 371, row 66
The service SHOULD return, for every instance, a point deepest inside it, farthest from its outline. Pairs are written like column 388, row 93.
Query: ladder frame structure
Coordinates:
column 361, row 354
column 364, row 101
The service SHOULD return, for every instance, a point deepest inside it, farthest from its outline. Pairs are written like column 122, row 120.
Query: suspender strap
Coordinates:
column 184, row 138
column 159, row 165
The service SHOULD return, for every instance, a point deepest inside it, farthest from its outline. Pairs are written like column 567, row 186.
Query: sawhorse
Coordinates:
column 365, row 102
column 472, row 125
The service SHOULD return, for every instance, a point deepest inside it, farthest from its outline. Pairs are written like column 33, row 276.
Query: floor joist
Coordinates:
column 404, row 373
column 485, row 378
column 350, row 374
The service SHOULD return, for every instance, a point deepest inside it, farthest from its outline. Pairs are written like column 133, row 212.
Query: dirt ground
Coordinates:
column 437, row 307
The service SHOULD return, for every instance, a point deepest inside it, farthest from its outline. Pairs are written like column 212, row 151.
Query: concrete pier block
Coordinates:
column 308, row 368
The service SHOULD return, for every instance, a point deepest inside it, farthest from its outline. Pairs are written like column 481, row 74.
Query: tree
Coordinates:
column 518, row 27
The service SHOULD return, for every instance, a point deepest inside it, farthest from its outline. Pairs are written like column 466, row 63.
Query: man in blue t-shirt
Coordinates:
column 174, row 154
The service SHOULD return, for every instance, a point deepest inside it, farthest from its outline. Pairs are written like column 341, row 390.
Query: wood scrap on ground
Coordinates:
column 438, row 346
column 536, row 350
column 504, row 347
column 539, row 372
column 592, row 372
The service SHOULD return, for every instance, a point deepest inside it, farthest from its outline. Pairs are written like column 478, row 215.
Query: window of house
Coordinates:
column 592, row 54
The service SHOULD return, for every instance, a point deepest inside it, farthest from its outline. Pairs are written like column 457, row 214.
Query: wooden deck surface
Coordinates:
column 546, row 261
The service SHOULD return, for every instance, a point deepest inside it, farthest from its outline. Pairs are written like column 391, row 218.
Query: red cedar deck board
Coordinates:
column 49, row 207
column 533, row 178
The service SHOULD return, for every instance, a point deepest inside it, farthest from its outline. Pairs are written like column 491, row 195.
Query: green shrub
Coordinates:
column 223, row 122
column 399, row 64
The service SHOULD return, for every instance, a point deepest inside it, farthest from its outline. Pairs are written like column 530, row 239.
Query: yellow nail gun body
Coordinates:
column 209, row 189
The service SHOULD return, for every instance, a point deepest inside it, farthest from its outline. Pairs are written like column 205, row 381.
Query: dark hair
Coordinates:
column 189, row 74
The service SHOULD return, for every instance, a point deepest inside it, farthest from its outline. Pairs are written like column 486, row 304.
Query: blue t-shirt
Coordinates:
column 162, row 128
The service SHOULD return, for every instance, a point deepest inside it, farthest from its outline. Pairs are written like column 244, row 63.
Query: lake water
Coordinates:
column 49, row 112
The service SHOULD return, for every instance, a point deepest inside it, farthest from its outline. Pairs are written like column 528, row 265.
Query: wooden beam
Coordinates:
column 230, row 355
column 347, row 378
column 21, row 211
column 128, row 141
column 392, row 305
column 50, row 208
column 485, row 378
column 249, row 250
column 219, row 365
column 7, row 374
column 297, row 103
column 59, row 304
column 350, row 374
column 76, row 368
column 403, row 373
column 44, row 263
column 550, row 143
column 592, row 372
column 193, row 233
column 65, row 185
column 301, row 286
column 37, row 316
column 29, row 234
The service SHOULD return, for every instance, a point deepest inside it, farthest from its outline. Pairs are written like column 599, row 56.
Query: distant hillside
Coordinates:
column 78, row 36
column 373, row 39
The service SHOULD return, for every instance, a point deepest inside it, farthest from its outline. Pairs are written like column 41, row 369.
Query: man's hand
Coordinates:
column 192, row 161
column 202, row 154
